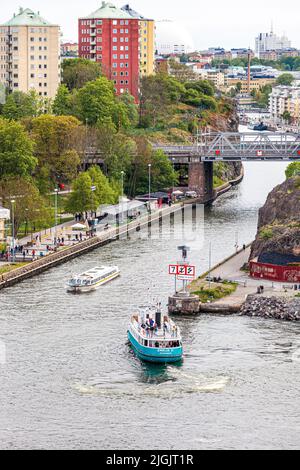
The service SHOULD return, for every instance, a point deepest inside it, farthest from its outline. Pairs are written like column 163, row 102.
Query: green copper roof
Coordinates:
column 109, row 11
column 27, row 17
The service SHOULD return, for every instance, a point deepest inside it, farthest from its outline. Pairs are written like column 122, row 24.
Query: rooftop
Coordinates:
column 134, row 14
column 109, row 11
column 27, row 17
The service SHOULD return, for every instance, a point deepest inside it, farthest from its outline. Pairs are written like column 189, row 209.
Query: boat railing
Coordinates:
column 166, row 336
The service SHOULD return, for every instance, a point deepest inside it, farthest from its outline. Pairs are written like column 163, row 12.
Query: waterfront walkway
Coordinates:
column 230, row 270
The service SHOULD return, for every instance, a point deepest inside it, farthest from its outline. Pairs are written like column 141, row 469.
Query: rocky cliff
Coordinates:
column 279, row 221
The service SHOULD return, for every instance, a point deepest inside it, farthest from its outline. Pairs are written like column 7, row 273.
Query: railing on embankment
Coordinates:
column 54, row 259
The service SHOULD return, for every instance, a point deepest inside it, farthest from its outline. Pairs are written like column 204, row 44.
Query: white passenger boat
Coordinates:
column 92, row 279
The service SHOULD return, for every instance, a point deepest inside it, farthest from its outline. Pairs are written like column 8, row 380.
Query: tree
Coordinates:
column 285, row 79
column 95, row 102
column 131, row 108
column 286, row 116
column 158, row 93
column 77, row 72
column 162, row 174
column 16, row 150
column 29, row 206
column 293, row 170
column 59, row 142
column 83, row 198
column 103, row 194
column 80, row 200
column 19, row 105
column 62, row 103
column 117, row 150
column 204, row 87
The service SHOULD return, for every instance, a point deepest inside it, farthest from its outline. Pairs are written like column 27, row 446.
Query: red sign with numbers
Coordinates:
column 182, row 270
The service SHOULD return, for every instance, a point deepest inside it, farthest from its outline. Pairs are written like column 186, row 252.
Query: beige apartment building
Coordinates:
column 30, row 54
column 146, row 41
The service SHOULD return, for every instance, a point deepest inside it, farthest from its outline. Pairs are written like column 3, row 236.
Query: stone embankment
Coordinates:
column 272, row 307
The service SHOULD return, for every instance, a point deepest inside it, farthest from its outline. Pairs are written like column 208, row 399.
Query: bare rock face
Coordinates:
column 279, row 221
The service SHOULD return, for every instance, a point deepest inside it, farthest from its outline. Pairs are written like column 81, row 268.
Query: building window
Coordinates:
column 115, row 22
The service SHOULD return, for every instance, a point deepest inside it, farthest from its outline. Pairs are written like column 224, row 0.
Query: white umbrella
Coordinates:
column 178, row 193
column 79, row 227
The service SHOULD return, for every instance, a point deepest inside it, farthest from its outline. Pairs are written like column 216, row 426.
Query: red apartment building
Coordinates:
column 110, row 36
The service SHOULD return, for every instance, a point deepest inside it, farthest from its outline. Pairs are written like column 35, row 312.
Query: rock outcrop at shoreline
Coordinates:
column 279, row 221
column 272, row 307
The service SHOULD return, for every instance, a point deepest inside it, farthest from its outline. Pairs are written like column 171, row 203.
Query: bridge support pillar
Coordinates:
column 201, row 180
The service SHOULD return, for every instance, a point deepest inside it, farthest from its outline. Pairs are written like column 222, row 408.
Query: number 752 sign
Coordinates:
column 182, row 270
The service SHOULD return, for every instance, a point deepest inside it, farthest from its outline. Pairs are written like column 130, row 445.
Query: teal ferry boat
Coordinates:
column 154, row 337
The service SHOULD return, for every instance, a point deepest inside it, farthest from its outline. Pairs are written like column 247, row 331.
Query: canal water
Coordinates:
column 70, row 380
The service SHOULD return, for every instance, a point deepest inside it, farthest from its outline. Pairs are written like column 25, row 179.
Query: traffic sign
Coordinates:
column 189, row 272
column 173, row 269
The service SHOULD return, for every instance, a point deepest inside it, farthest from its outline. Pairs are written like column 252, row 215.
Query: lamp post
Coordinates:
column 149, row 166
column 173, row 162
column 122, row 182
column 13, row 229
column 56, row 204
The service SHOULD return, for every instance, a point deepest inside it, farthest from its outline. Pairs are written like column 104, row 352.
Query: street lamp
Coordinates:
column 13, row 229
column 56, row 203
column 173, row 161
column 26, row 226
column 149, row 166
column 122, row 181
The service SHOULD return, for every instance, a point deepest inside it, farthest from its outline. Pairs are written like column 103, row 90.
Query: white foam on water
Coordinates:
column 179, row 384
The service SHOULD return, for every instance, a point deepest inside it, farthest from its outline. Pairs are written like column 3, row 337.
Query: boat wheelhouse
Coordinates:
column 155, row 337
column 92, row 279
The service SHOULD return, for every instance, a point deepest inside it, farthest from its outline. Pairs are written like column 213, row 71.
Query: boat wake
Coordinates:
column 179, row 383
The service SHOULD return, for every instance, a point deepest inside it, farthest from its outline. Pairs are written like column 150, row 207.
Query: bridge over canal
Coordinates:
column 224, row 147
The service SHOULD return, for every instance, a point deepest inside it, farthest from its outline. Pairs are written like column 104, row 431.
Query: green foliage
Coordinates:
column 29, row 205
column 16, row 150
column 131, row 108
column 59, row 140
column 262, row 96
column 204, row 87
column 162, row 97
column 62, row 104
column 162, row 174
column 285, row 79
column 83, row 198
column 96, row 103
column 293, row 170
column 215, row 293
column 77, row 72
column 287, row 116
column 266, row 233
column 20, row 105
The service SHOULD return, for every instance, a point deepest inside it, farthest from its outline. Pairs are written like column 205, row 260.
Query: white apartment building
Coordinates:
column 218, row 78
column 271, row 42
column 285, row 99
column 30, row 54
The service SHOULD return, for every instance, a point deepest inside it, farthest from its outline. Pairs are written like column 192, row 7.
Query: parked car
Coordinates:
column 191, row 194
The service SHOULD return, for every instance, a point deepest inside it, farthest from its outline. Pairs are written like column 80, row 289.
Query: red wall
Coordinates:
column 275, row 273
column 130, row 73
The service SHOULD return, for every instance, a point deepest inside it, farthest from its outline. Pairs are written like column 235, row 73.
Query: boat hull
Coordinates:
column 84, row 289
column 155, row 355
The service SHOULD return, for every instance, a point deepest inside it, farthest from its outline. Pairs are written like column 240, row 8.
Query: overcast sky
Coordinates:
column 211, row 23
